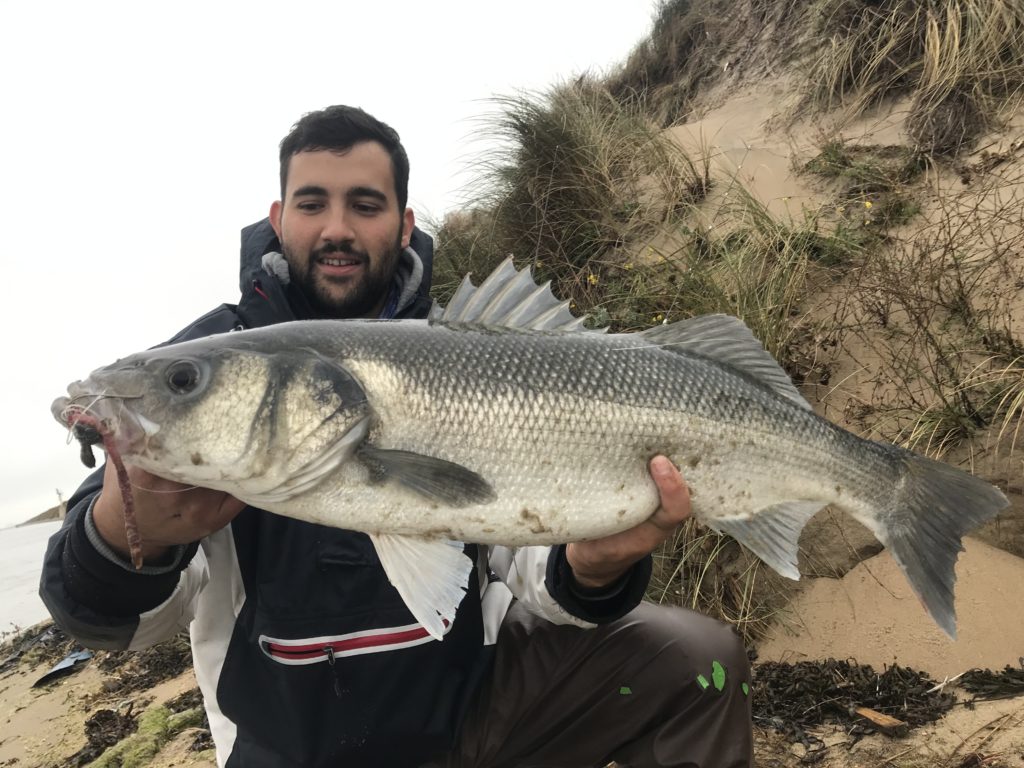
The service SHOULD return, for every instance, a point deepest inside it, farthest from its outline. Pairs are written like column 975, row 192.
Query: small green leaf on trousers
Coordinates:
column 702, row 682
column 625, row 690
column 718, row 675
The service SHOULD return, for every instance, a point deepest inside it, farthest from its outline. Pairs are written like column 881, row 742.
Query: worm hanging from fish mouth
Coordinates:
column 89, row 430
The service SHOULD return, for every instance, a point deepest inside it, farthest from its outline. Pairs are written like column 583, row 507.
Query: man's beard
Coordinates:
column 364, row 293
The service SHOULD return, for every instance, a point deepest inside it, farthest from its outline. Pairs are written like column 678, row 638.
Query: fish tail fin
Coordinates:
column 934, row 506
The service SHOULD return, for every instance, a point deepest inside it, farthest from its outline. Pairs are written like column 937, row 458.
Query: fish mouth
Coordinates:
column 94, row 419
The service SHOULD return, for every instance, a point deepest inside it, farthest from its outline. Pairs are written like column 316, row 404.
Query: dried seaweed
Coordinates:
column 988, row 685
column 138, row 670
column 794, row 698
column 103, row 729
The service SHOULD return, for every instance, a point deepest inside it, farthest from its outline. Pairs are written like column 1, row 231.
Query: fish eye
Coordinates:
column 183, row 376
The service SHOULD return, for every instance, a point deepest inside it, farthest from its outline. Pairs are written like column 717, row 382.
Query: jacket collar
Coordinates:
column 264, row 279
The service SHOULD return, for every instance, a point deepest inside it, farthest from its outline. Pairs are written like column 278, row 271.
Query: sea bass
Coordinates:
column 500, row 420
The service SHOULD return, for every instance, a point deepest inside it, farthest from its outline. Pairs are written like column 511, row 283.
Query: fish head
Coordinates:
column 222, row 413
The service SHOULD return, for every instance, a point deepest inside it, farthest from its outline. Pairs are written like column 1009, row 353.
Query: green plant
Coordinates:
column 867, row 169
column 746, row 262
column 157, row 726
column 874, row 182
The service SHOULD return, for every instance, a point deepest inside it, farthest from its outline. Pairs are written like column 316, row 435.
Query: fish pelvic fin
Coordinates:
column 772, row 533
column 431, row 575
column 434, row 479
column 726, row 340
column 935, row 504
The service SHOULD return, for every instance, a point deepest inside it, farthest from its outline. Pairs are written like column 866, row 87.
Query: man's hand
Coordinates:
column 601, row 562
column 168, row 513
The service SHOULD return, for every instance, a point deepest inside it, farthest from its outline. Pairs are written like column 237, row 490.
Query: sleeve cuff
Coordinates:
column 97, row 577
column 170, row 562
column 596, row 605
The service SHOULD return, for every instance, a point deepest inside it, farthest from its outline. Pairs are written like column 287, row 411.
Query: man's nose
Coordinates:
column 337, row 226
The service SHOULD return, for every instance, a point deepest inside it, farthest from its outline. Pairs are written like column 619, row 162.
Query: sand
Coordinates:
column 872, row 615
column 43, row 727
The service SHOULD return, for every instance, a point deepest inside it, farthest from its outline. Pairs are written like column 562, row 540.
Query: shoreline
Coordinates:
column 135, row 709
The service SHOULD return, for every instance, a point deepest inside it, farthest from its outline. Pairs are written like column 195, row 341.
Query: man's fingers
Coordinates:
column 675, row 496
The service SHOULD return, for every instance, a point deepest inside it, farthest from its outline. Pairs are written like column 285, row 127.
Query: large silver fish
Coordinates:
column 502, row 421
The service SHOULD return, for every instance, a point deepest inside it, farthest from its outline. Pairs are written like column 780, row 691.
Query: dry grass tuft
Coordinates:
column 695, row 44
column 665, row 71
column 961, row 60
column 937, row 311
column 712, row 574
column 578, row 183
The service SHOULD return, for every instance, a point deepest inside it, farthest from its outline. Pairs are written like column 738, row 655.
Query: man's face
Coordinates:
column 340, row 228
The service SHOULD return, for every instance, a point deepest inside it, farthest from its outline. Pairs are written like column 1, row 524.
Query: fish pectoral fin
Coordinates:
column 431, row 575
column 432, row 478
column 772, row 533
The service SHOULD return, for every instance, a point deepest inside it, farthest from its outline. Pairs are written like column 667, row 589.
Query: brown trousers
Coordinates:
column 660, row 687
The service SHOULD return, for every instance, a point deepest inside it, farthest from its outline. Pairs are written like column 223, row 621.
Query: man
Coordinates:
column 305, row 654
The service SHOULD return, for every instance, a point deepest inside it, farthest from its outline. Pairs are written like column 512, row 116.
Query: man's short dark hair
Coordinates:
column 339, row 128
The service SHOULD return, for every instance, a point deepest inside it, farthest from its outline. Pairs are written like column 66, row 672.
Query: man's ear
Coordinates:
column 275, row 217
column 408, row 222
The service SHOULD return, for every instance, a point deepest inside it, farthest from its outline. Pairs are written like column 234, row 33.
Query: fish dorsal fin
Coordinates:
column 725, row 339
column 508, row 298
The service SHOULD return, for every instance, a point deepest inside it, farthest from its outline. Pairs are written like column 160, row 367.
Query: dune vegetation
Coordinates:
column 904, row 266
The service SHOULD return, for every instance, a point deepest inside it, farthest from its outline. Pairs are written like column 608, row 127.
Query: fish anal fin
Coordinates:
column 772, row 533
column 434, row 479
column 431, row 575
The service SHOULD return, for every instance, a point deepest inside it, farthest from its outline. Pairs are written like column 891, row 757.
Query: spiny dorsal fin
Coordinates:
column 727, row 340
column 508, row 298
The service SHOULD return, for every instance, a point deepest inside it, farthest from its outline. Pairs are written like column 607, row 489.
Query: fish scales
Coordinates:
column 567, row 415
column 421, row 432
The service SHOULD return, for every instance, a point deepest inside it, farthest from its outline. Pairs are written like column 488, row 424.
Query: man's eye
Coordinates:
column 309, row 207
column 367, row 208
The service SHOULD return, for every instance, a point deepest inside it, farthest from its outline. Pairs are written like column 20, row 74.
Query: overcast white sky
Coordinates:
column 137, row 139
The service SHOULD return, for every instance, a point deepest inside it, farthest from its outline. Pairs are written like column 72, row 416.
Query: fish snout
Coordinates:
column 59, row 409
column 92, row 413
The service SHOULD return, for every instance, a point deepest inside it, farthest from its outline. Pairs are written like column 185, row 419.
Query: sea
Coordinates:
column 21, row 560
